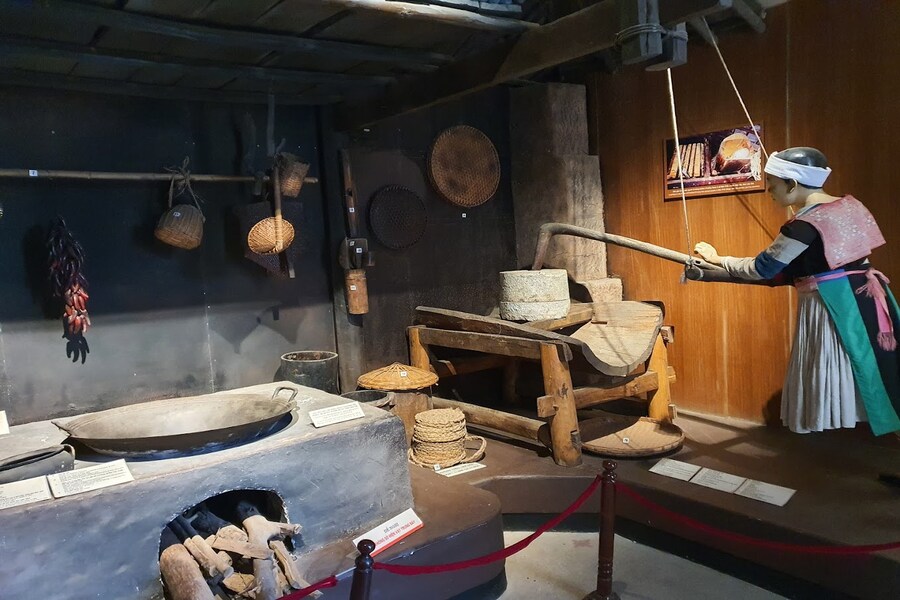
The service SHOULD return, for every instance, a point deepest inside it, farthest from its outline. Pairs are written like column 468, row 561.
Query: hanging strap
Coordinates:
column 687, row 224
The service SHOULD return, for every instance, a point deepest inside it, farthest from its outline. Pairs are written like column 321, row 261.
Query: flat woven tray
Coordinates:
column 629, row 437
column 397, row 217
column 463, row 166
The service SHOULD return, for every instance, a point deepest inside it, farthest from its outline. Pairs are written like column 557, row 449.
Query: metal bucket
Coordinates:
column 312, row 368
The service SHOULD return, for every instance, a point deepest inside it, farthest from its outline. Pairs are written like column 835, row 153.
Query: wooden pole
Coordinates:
column 661, row 397
column 565, row 436
column 418, row 352
column 114, row 176
column 362, row 575
column 607, row 535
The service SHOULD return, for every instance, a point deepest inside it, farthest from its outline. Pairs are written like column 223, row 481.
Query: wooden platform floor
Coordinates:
column 839, row 498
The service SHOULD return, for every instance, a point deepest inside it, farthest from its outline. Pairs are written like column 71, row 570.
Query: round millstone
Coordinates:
column 534, row 295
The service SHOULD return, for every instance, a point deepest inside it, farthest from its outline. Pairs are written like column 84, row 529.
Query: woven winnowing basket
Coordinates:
column 463, row 166
column 261, row 238
column 397, row 377
column 292, row 172
column 180, row 226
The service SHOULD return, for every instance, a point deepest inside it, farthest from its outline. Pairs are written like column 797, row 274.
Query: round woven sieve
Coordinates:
column 463, row 166
column 397, row 217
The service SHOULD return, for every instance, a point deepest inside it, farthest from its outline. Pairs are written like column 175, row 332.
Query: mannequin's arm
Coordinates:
column 766, row 265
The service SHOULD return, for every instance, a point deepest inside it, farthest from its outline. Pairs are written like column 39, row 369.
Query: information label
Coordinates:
column 718, row 480
column 390, row 532
column 765, row 492
column 675, row 468
column 336, row 414
column 460, row 469
column 90, row 478
column 4, row 424
column 22, row 492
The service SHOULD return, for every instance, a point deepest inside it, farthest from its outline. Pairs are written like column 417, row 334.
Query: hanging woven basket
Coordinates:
column 292, row 172
column 397, row 377
column 182, row 225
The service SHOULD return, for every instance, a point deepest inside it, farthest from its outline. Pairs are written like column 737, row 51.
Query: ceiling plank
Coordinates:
column 435, row 14
column 14, row 77
column 218, row 36
column 14, row 46
column 579, row 34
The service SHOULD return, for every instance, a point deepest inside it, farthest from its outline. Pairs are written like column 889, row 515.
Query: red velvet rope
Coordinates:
column 500, row 554
column 325, row 583
column 751, row 541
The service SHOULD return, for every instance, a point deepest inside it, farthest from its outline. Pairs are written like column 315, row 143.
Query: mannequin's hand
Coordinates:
column 707, row 253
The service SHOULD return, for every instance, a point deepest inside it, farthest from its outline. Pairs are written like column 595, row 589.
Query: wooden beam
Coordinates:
column 16, row 46
column 470, row 364
column 220, row 36
column 435, row 14
column 479, row 416
column 582, row 33
column 167, row 92
column 503, row 345
column 586, row 397
column 748, row 14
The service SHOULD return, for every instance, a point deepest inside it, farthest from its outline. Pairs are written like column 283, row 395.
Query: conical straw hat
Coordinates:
column 397, row 377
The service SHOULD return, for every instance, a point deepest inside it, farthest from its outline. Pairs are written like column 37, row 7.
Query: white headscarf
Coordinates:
column 809, row 176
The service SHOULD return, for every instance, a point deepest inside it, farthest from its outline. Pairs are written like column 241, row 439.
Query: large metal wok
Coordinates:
column 181, row 425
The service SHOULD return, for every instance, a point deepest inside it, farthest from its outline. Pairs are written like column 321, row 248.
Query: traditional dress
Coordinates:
column 844, row 364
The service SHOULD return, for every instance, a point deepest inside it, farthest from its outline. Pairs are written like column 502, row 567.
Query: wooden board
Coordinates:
column 615, row 353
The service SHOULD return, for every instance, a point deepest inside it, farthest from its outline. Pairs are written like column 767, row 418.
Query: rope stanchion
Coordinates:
column 751, row 541
column 500, row 554
column 607, row 535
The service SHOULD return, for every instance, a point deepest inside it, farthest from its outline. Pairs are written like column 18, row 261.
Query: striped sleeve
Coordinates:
column 768, row 263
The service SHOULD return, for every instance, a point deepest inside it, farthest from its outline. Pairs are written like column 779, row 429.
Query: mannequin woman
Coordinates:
column 844, row 365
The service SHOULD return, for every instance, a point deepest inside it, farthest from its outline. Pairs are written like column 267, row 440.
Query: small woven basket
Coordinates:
column 292, row 172
column 182, row 225
column 439, row 439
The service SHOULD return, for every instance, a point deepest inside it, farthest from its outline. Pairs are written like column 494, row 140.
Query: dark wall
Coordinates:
column 456, row 263
column 167, row 322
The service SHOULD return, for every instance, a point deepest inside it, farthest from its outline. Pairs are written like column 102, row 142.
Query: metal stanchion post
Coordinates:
column 362, row 575
column 607, row 535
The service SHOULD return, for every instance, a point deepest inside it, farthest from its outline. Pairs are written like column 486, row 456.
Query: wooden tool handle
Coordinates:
column 279, row 222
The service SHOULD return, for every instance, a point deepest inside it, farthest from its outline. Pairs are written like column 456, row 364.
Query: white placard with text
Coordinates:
column 4, row 424
column 460, row 469
column 675, row 469
column 718, row 480
column 765, row 492
column 336, row 414
column 90, row 478
column 390, row 532
column 22, row 492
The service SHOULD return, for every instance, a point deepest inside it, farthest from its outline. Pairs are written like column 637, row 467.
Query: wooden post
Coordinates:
column 660, row 398
column 362, row 575
column 607, row 535
column 565, row 436
column 510, row 379
column 418, row 352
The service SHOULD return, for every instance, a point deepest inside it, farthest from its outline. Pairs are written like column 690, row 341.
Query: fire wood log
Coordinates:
column 208, row 522
column 243, row 548
column 291, row 570
column 215, row 565
column 260, row 531
column 180, row 571
column 241, row 584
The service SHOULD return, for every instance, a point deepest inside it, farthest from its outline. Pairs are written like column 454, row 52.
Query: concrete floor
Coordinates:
column 563, row 566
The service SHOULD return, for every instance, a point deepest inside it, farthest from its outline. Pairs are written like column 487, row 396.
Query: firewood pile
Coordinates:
column 205, row 557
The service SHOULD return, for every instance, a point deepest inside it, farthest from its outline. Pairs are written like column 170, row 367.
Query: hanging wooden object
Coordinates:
column 182, row 225
column 292, row 173
column 463, row 166
column 397, row 217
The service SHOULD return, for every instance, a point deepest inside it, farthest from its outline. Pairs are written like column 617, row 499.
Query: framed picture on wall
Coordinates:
column 717, row 163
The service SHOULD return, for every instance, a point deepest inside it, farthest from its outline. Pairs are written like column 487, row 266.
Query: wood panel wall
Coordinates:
column 822, row 75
